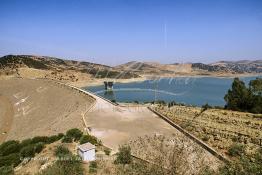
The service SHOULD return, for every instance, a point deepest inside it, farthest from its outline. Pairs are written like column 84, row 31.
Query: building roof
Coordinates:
column 86, row 147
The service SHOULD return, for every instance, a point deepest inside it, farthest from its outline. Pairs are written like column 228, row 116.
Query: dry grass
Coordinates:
column 218, row 128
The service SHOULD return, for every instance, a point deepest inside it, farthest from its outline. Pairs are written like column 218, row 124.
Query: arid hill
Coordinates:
column 222, row 68
column 80, row 73
column 30, row 66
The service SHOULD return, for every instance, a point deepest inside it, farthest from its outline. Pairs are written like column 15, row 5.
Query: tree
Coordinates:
column 256, row 86
column 124, row 155
column 256, row 89
column 74, row 133
column 239, row 97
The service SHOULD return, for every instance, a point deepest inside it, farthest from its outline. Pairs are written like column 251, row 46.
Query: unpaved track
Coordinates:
column 6, row 117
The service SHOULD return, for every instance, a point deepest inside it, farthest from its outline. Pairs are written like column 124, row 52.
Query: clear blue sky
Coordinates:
column 116, row 31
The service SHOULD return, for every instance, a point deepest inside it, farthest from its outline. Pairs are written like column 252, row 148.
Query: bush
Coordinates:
column 61, row 151
column 39, row 147
column 71, row 166
column 206, row 106
column 28, row 151
column 43, row 139
column 67, row 139
column 245, row 165
column 107, row 151
column 25, row 142
column 124, row 155
column 53, row 138
column 93, row 167
column 9, row 147
column 74, row 133
column 10, row 160
column 60, row 135
column 236, row 150
column 6, row 170
column 88, row 138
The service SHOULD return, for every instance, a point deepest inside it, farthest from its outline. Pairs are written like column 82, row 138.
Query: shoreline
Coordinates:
column 97, row 82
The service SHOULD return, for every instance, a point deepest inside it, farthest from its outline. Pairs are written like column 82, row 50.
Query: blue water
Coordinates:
column 188, row 90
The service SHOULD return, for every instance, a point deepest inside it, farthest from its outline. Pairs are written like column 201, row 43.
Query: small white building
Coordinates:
column 87, row 152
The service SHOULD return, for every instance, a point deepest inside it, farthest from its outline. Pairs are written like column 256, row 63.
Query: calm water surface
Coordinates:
column 188, row 90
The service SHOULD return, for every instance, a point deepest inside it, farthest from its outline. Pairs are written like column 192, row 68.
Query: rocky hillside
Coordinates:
column 244, row 66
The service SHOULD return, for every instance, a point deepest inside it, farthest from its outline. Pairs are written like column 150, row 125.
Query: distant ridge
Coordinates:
column 71, row 70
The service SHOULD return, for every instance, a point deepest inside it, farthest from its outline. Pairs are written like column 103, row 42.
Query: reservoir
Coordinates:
column 189, row 90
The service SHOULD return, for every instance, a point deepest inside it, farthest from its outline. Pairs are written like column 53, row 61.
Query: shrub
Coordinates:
column 39, row 147
column 70, row 166
column 124, row 155
column 236, row 150
column 60, row 135
column 245, row 165
column 25, row 142
column 67, row 139
column 107, row 151
column 28, row 151
column 61, row 151
column 206, row 106
column 9, row 147
column 93, row 167
column 43, row 139
column 53, row 138
column 205, row 138
column 6, row 170
column 88, row 138
column 74, row 133
column 10, row 160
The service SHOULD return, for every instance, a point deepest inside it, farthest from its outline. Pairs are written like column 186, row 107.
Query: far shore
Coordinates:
column 97, row 82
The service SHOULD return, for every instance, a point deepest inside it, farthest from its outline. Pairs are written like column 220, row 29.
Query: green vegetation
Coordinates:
column 61, row 151
column 244, row 165
column 93, row 167
column 10, row 160
column 67, row 139
column 67, row 163
column 236, row 150
column 6, row 170
column 28, row 151
column 107, row 151
column 246, row 99
column 74, row 133
column 12, row 152
column 124, row 155
column 91, row 139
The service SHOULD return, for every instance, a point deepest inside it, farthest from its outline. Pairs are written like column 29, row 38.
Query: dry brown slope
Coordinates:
column 42, row 107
